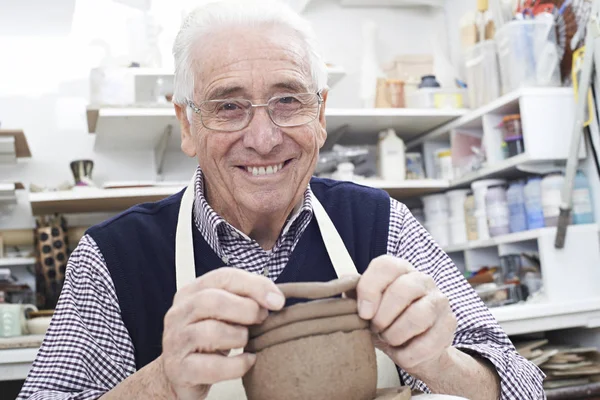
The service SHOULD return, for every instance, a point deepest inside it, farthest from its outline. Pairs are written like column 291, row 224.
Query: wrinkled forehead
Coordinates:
column 252, row 59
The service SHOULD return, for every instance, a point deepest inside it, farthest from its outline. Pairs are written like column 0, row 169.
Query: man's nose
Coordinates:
column 262, row 135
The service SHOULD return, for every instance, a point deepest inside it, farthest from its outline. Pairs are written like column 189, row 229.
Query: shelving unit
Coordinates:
column 16, row 262
column 13, row 145
column 8, row 193
column 87, row 200
column 407, row 188
column 16, row 363
column 526, row 318
column 392, row 3
column 142, row 127
column 507, row 104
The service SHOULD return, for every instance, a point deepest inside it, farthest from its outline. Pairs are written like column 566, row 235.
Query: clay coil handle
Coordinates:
column 319, row 290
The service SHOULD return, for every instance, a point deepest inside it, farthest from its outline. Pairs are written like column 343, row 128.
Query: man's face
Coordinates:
column 254, row 64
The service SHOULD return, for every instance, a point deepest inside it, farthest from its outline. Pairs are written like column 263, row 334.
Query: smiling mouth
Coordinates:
column 265, row 169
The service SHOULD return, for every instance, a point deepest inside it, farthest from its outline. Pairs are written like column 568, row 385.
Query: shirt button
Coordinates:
column 235, row 234
column 225, row 259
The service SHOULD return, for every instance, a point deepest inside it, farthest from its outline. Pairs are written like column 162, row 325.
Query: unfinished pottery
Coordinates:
column 315, row 350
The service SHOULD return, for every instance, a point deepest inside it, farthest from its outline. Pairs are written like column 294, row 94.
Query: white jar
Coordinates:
column 435, row 207
column 552, row 185
column 443, row 162
column 479, row 191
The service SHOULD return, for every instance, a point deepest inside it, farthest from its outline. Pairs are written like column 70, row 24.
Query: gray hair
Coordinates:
column 228, row 12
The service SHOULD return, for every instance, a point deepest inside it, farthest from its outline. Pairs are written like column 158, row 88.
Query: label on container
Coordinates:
column 497, row 215
column 551, row 203
column 582, row 202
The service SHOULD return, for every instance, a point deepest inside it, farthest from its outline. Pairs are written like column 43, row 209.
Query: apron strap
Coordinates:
column 185, row 269
column 338, row 254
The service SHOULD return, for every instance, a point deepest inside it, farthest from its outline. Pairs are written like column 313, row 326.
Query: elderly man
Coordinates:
column 250, row 95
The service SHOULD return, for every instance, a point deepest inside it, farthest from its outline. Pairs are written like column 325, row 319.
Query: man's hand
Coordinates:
column 209, row 317
column 410, row 316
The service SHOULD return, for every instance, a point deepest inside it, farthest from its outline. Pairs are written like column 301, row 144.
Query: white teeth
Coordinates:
column 271, row 169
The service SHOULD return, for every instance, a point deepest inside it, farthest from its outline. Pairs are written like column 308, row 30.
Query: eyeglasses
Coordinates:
column 232, row 115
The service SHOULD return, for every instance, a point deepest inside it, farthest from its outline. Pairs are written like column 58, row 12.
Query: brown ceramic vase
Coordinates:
column 315, row 350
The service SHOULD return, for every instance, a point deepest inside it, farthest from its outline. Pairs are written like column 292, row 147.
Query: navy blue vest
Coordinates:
column 139, row 249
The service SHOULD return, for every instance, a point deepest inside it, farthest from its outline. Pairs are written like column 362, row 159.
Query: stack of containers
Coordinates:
column 480, row 189
column 456, row 202
column 437, row 215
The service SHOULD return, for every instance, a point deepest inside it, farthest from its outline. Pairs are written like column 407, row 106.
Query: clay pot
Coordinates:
column 314, row 350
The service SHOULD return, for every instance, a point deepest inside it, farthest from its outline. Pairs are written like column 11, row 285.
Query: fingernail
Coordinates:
column 365, row 309
column 251, row 358
column 275, row 300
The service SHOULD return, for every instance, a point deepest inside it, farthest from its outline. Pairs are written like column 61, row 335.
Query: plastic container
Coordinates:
column 511, row 126
column 439, row 231
column 428, row 97
column 435, row 207
column 515, row 196
column 552, row 185
column 479, row 192
column 456, row 203
column 533, row 203
column 429, row 81
column 392, row 162
column 514, row 146
column 414, row 166
column 583, row 211
column 527, row 54
column 496, row 208
column 458, row 231
column 470, row 218
column 443, row 164
column 482, row 73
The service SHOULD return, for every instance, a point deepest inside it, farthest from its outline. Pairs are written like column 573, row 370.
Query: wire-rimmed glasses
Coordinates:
column 286, row 111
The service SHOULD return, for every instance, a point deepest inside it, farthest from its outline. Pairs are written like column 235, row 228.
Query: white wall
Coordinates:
column 44, row 67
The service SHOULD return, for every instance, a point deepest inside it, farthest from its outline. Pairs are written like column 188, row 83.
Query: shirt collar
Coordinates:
column 208, row 221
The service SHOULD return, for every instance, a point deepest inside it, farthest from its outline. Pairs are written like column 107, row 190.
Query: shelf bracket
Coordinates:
column 161, row 149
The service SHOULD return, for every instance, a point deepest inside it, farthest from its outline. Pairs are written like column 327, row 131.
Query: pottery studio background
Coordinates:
column 462, row 109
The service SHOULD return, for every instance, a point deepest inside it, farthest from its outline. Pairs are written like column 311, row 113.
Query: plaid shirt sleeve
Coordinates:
column 477, row 332
column 87, row 350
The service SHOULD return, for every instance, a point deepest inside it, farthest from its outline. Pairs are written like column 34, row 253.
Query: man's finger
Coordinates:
column 221, row 305
column 208, row 369
column 381, row 272
column 239, row 282
column 415, row 320
column 210, row 336
column 398, row 296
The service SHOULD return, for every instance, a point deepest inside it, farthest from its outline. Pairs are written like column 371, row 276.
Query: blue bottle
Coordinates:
column 533, row 203
column 583, row 211
column 515, row 196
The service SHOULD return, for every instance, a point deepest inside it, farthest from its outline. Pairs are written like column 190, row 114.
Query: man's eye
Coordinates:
column 229, row 107
column 288, row 100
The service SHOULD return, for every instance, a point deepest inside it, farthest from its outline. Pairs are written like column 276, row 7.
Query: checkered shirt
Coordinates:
column 87, row 349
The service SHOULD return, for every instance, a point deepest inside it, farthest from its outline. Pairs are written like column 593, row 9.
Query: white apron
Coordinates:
column 185, row 272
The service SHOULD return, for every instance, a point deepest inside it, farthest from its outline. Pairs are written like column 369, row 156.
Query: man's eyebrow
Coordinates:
column 224, row 92
column 291, row 86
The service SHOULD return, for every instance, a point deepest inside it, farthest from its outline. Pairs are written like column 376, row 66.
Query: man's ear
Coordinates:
column 188, row 146
column 322, row 133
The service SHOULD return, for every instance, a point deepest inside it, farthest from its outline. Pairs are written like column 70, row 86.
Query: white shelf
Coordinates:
column 8, row 192
column 507, row 104
column 514, row 238
column 85, row 200
column 407, row 188
column 15, row 262
column 408, row 122
column 525, row 318
column 392, row 3
column 13, row 145
column 16, row 363
column 511, row 168
column 142, row 127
